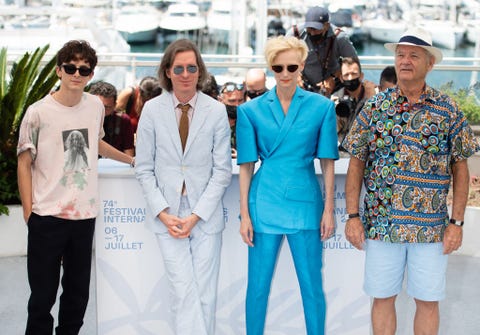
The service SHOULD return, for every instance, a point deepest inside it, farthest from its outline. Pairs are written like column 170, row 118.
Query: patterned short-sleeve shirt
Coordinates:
column 408, row 150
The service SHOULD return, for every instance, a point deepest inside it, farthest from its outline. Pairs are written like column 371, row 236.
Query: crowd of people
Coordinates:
column 407, row 143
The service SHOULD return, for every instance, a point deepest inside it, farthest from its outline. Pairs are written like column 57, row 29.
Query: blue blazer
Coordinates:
column 284, row 193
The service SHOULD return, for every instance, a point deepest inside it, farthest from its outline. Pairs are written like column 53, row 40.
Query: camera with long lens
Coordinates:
column 344, row 106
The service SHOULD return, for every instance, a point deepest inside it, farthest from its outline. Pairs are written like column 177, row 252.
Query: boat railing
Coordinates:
column 248, row 61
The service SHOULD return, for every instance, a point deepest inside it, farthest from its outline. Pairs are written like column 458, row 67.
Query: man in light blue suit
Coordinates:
column 286, row 128
column 183, row 164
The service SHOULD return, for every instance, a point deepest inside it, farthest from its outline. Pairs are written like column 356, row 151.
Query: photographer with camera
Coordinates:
column 326, row 43
column 350, row 99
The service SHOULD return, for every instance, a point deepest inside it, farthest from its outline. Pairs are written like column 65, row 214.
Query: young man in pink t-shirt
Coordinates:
column 59, row 142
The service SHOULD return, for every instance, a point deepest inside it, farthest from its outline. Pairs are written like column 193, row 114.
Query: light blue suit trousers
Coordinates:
column 192, row 266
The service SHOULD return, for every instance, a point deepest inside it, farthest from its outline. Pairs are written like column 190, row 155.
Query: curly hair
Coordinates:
column 77, row 50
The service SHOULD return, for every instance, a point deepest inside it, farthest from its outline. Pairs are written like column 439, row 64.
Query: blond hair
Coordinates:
column 279, row 44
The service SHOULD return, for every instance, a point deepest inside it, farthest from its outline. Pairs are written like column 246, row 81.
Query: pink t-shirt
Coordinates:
column 63, row 142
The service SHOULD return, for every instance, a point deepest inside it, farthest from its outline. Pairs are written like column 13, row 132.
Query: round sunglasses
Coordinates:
column 230, row 87
column 84, row 71
column 180, row 69
column 290, row 68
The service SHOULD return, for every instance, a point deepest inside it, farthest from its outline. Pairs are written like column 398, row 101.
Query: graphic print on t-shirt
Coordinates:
column 75, row 146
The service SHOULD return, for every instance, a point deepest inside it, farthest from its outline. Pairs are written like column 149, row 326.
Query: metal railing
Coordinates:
column 131, row 62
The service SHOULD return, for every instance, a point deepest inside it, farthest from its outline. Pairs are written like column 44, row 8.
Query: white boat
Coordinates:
column 29, row 21
column 472, row 33
column 384, row 30
column 181, row 17
column 230, row 22
column 470, row 18
column 445, row 34
column 220, row 20
column 104, row 40
column 441, row 21
column 137, row 24
column 87, row 3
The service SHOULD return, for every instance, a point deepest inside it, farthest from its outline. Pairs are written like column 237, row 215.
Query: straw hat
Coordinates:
column 417, row 37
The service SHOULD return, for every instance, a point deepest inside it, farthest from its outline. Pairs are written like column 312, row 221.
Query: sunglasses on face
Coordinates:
column 279, row 68
column 84, row 71
column 230, row 87
column 190, row 69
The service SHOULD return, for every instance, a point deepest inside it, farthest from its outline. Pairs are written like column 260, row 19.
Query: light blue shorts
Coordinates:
column 425, row 264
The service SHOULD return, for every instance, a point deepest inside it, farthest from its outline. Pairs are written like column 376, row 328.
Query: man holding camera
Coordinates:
column 350, row 99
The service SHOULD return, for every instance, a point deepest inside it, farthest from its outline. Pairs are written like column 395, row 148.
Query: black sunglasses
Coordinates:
column 230, row 87
column 279, row 68
column 71, row 69
column 190, row 69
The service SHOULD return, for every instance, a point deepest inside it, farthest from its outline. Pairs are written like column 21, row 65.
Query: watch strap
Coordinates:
column 456, row 222
column 353, row 215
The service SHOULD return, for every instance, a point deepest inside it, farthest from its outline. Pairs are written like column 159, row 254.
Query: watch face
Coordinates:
column 456, row 223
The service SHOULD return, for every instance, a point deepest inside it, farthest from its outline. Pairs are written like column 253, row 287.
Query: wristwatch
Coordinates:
column 456, row 223
column 351, row 216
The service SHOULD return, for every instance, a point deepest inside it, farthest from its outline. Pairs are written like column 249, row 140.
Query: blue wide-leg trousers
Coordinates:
column 306, row 249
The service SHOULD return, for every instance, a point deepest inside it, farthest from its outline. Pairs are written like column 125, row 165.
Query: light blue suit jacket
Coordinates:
column 205, row 166
column 284, row 193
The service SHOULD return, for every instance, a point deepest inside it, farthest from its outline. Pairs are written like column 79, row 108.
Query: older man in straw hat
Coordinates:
column 407, row 144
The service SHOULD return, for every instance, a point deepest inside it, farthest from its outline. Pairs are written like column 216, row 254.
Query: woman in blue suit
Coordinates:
column 287, row 128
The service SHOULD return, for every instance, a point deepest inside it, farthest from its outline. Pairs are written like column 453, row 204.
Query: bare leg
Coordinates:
column 427, row 318
column 384, row 318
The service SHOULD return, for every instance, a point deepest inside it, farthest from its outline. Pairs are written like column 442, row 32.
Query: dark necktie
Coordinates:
column 183, row 127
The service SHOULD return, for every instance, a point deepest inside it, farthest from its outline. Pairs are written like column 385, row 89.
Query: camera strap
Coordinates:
column 331, row 39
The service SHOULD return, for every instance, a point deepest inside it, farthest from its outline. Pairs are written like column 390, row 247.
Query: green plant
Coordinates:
column 466, row 99
column 27, row 83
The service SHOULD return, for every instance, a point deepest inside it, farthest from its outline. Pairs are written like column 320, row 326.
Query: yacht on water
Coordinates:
column 63, row 25
column 181, row 17
column 137, row 24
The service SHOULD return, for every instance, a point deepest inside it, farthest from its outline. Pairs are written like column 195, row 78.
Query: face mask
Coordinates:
column 317, row 38
column 231, row 112
column 351, row 85
column 254, row 94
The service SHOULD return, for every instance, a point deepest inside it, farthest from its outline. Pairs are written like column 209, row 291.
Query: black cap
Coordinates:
column 316, row 17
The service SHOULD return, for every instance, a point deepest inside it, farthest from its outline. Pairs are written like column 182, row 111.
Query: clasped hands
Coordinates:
column 178, row 227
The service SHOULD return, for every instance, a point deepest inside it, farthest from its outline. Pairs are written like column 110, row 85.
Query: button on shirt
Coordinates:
column 408, row 149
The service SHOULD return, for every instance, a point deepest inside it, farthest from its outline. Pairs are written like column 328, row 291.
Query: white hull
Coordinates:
column 139, row 36
column 182, row 17
column 137, row 24
column 176, row 24
column 383, row 30
column 103, row 40
column 472, row 33
column 445, row 34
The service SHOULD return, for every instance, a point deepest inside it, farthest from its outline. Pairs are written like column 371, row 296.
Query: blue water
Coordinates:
column 436, row 78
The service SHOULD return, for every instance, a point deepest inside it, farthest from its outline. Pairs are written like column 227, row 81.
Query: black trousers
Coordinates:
column 52, row 243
